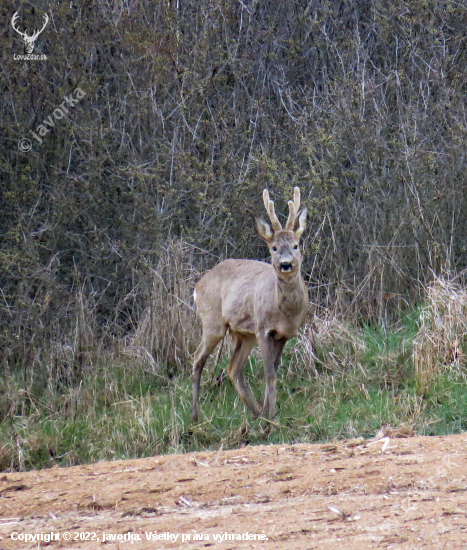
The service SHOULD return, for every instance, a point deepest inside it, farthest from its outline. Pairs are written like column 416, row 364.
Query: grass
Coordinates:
column 349, row 383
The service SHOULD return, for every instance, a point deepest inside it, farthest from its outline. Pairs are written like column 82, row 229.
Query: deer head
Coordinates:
column 28, row 40
column 283, row 243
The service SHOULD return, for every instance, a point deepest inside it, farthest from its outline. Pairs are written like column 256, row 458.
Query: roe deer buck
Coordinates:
column 256, row 301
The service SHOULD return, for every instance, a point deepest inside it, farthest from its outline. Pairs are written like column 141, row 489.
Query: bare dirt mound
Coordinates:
column 392, row 493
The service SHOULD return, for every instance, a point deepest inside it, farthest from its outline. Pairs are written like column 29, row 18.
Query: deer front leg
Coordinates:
column 243, row 347
column 271, row 350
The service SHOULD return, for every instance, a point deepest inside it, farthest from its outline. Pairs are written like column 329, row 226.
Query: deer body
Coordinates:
column 256, row 302
column 265, row 306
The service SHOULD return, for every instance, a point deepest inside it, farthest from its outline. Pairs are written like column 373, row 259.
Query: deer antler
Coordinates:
column 269, row 205
column 13, row 21
column 293, row 209
column 37, row 33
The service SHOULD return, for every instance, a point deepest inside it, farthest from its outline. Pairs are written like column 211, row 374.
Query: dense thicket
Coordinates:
column 191, row 108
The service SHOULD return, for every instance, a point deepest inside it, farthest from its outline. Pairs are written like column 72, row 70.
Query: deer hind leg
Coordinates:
column 208, row 343
column 271, row 350
column 243, row 347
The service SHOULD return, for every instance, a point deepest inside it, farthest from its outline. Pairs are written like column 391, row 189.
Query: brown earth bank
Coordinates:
column 388, row 493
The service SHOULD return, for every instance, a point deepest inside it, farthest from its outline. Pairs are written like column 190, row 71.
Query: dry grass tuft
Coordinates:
column 340, row 345
column 443, row 326
column 167, row 333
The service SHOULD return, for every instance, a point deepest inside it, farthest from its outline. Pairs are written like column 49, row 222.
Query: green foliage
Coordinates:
column 121, row 411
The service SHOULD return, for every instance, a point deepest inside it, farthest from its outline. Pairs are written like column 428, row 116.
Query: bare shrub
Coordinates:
column 443, row 326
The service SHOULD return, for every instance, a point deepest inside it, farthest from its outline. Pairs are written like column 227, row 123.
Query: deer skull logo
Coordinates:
column 28, row 40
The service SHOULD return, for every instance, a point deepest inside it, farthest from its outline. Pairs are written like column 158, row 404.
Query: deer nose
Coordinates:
column 286, row 266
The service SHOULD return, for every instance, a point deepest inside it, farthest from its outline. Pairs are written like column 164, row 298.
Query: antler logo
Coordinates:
column 28, row 40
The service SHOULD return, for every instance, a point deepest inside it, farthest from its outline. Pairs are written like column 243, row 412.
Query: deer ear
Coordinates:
column 264, row 230
column 300, row 224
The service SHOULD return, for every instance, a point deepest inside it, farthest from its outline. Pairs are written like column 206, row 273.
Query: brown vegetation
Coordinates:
column 191, row 109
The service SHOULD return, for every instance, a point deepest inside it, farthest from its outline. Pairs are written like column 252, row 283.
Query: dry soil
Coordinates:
column 389, row 493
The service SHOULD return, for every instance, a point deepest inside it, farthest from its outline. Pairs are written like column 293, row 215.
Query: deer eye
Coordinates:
column 274, row 248
column 295, row 247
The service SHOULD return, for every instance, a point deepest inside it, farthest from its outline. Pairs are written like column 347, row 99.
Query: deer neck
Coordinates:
column 291, row 294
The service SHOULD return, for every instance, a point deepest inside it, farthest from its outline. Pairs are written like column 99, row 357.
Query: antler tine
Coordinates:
column 296, row 198
column 269, row 205
column 293, row 209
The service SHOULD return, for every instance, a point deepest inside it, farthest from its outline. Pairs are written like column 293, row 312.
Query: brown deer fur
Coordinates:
column 256, row 302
